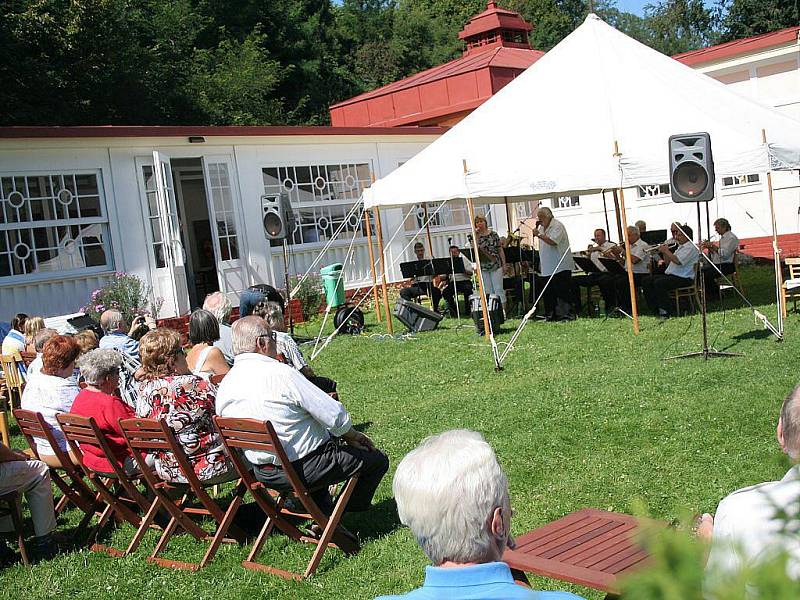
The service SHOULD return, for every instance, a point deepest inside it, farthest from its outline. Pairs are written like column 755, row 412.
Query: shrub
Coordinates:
column 126, row 293
column 309, row 294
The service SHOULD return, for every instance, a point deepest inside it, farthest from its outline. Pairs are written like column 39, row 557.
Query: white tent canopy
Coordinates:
column 551, row 131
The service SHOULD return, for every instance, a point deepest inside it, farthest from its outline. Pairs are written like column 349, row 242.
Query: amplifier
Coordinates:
column 415, row 316
column 495, row 312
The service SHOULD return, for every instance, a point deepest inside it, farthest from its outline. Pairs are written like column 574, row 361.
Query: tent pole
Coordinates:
column 428, row 230
column 477, row 260
column 372, row 267
column 616, row 215
column 628, row 262
column 776, row 251
column 379, row 232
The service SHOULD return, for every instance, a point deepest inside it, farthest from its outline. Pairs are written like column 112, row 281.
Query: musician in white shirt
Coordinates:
column 721, row 253
column 680, row 272
column 556, row 264
column 315, row 430
column 604, row 280
column 619, row 282
column 422, row 285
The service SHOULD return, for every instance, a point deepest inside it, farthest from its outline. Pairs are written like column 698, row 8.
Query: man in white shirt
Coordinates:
column 458, row 283
column 756, row 522
column 556, row 264
column 680, row 272
column 603, row 280
column 721, row 254
column 639, row 264
column 315, row 430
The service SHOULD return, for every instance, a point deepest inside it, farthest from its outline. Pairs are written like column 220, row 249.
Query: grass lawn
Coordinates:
column 584, row 414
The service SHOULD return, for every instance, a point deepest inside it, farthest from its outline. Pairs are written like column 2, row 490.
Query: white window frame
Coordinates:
column 361, row 184
column 103, row 220
column 737, row 184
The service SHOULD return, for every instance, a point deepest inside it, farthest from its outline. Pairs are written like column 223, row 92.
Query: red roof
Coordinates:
column 101, row 131
column 498, row 56
column 494, row 18
column 737, row 47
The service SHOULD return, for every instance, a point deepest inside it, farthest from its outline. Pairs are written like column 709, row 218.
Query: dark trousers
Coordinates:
column 423, row 288
column 710, row 276
column 621, row 290
column 449, row 295
column 657, row 288
column 333, row 462
column 560, row 288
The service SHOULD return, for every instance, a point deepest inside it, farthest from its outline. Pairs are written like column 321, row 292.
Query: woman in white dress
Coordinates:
column 205, row 359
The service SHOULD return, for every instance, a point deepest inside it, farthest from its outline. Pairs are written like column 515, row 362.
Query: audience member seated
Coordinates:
column 15, row 339
column 39, row 341
column 167, row 390
column 87, row 341
column 32, row 478
column 307, row 421
column 53, row 391
column 453, row 495
column 219, row 306
column 32, row 326
column 205, row 359
column 114, row 333
column 288, row 352
column 100, row 371
column 255, row 294
column 751, row 524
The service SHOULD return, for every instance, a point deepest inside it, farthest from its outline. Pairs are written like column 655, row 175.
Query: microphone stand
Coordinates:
column 706, row 352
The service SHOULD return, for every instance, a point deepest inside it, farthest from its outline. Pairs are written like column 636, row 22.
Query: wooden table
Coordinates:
column 589, row 547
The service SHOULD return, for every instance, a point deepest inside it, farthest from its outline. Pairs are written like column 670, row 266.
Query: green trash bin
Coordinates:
column 333, row 284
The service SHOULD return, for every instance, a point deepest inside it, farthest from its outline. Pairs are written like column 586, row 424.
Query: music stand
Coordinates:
column 612, row 266
column 586, row 264
column 654, row 236
column 417, row 268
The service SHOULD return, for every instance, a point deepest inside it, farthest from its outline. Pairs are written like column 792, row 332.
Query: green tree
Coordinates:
column 679, row 26
column 745, row 18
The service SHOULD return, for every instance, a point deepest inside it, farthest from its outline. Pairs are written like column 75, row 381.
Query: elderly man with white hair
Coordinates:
column 556, row 265
column 453, row 495
column 751, row 523
column 220, row 306
column 39, row 340
column 114, row 336
column 314, row 429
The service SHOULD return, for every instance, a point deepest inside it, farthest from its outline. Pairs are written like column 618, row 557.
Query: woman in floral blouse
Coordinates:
column 167, row 390
column 492, row 257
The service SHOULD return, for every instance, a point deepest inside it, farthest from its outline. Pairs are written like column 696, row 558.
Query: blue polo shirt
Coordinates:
column 489, row 581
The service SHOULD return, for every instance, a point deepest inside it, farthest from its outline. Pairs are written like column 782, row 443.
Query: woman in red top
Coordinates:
column 100, row 370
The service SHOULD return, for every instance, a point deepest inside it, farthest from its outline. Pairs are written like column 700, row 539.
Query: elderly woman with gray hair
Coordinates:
column 100, row 371
column 453, row 495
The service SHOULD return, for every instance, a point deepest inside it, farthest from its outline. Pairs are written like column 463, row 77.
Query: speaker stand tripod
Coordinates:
column 706, row 352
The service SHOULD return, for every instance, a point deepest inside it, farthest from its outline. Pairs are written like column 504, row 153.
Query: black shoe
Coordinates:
column 44, row 548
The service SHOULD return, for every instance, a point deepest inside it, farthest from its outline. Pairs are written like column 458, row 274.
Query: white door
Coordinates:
column 167, row 258
column 223, row 210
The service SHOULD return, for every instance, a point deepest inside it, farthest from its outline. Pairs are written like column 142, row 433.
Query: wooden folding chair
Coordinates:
column 691, row 292
column 73, row 488
column 250, row 434
column 11, row 504
column 791, row 293
column 150, row 436
column 12, row 367
column 117, row 489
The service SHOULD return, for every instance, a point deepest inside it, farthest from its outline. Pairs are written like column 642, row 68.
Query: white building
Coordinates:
column 79, row 204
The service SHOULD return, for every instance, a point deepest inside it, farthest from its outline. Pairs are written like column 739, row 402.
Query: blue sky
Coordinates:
column 637, row 6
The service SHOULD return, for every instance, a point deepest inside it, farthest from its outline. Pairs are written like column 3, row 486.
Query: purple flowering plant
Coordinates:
column 126, row 293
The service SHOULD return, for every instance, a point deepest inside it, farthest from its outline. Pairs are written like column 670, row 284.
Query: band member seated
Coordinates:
column 601, row 248
column 641, row 226
column 679, row 273
column 422, row 285
column 721, row 254
column 616, row 287
column 457, row 283
column 556, row 264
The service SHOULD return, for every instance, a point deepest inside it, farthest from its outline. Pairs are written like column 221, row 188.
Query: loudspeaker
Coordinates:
column 415, row 316
column 495, row 307
column 350, row 318
column 691, row 167
column 275, row 208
